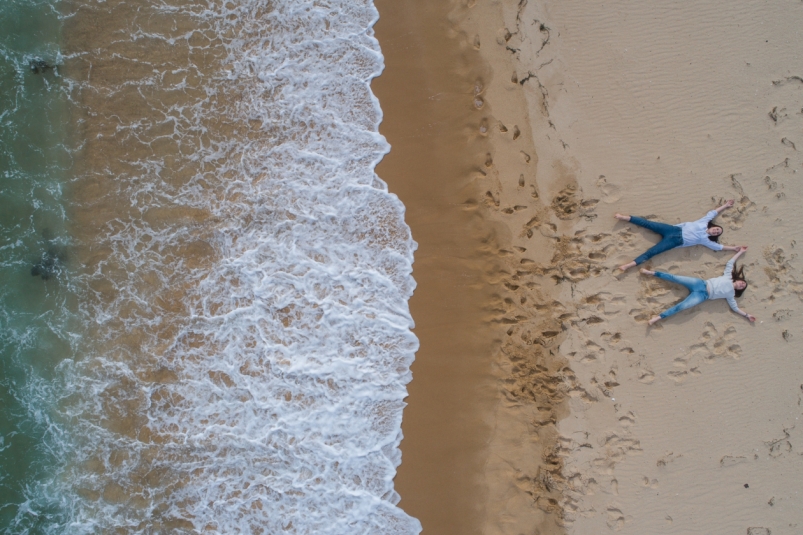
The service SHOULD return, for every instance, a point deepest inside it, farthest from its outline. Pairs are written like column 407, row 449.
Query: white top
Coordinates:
column 694, row 232
column 722, row 287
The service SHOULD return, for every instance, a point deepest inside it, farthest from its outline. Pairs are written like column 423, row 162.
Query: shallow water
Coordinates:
column 235, row 274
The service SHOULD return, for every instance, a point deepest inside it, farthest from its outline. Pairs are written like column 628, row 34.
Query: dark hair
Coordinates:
column 715, row 238
column 738, row 275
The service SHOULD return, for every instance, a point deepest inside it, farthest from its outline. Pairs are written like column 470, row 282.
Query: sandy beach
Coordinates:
column 432, row 120
column 541, row 401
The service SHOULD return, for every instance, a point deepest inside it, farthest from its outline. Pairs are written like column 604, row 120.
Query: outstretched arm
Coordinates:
column 726, row 205
column 741, row 249
column 735, row 308
column 732, row 247
column 711, row 214
column 750, row 317
column 729, row 266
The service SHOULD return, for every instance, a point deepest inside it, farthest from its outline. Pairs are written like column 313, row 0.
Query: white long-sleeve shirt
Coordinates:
column 694, row 232
column 722, row 287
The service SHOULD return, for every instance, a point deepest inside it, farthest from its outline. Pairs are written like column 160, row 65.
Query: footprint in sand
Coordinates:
column 627, row 420
column 646, row 376
column 583, row 485
column 778, row 114
column 578, row 392
column 568, row 204
column 616, row 519
column 669, row 457
column 491, row 200
column 641, row 315
column 602, row 388
column 681, row 375
column 736, row 216
column 611, row 193
column 649, row 483
column 677, row 375
column 611, row 338
column 732, row 460
column 780, row 446
column 617, row 447
column 782, row 314
column 713, row 345
column 781, row 272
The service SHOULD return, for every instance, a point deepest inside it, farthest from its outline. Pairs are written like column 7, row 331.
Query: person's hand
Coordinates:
column 751, row 317
column 742, row 248
column 729, row 203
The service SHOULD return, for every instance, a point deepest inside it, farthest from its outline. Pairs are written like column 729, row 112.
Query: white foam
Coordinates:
column 286, row 416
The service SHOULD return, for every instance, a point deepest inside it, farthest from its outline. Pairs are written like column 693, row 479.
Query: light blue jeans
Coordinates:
column 697, row 287
column 671, row 237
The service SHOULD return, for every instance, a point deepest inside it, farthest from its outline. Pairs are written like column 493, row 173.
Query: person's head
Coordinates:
column 739, row 283
column 714, row 232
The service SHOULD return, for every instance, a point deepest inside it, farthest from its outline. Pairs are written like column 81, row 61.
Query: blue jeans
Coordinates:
column 697, row 287
column 671, row 237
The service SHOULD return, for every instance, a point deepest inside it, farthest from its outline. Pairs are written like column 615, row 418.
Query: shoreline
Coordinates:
column 480, row 453
column 432, row 123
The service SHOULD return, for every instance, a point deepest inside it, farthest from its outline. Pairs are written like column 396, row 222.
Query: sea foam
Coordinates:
column 269, row 400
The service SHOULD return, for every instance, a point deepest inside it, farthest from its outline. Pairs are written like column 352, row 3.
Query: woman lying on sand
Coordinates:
column 700, row 232
column 729, row 286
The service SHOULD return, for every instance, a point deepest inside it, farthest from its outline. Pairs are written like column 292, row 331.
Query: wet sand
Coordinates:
column 431, row 121
column 479, row 427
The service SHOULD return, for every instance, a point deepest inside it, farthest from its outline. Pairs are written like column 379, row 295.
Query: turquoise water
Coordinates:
column 35, row 332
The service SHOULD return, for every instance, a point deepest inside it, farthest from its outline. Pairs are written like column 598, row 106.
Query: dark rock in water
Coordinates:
column 50, row 264
column 38, row 65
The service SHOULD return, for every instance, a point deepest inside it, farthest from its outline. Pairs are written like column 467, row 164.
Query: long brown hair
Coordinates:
column 715, row 238
column 738, row 275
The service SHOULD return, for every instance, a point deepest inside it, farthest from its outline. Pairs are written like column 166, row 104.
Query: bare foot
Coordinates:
column 625, row 267
column 621, row 217
column 654, row 319
column 647, row 271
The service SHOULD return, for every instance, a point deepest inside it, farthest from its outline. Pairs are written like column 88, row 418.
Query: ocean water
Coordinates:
column 38, row 308
column 205, row 285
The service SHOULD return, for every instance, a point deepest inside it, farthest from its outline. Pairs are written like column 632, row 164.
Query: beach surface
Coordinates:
column 568, row 413
column 431, row 117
